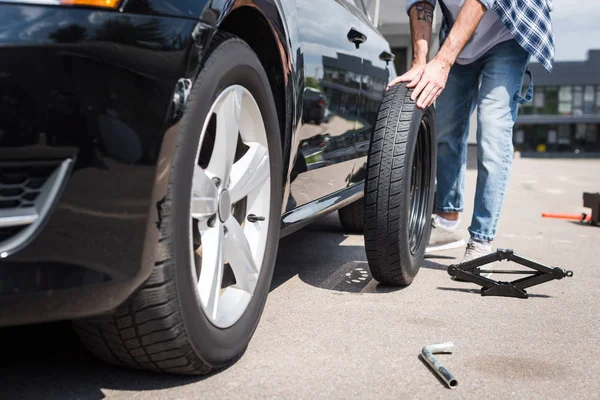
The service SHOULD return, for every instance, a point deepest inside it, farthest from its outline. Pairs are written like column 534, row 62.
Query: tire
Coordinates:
column 352, row 216
column 399, row 189
column 164, row 326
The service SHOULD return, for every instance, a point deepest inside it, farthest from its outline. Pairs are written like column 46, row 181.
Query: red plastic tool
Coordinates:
column 575, row 217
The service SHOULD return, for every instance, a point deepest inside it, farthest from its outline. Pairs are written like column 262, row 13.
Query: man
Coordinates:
column 485, row 49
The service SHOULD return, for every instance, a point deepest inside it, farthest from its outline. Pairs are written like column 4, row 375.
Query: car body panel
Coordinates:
column 330, row 152
column 323, row 157
column 99, row 85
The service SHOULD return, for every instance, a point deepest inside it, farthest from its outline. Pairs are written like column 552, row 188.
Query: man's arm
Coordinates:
column 467, row 21
column 432, row 79
column 421, row 19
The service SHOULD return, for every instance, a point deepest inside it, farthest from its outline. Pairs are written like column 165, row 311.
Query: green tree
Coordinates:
column 312, row 83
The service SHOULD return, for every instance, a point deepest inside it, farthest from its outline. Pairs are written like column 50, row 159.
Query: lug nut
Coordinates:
column 254, row 218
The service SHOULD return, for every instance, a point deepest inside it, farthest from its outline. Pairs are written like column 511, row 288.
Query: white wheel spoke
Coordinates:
column 204, row 196
column 211, row 272
column 228, row 128
column 239, row 256
column 249, row 172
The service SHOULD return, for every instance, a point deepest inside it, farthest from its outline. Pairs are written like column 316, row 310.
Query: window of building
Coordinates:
column 586, row 136
column 526, row 137
column 552, row 136
column 565, row 100
column 541, row 134
column 550, row 100
column 598, row 99
column 527, row 108
column 538, row 100
column 564, row 134
column 592, row 133
column 577, row 100
column 588, row 100
column 520, row 136
column 580, row 131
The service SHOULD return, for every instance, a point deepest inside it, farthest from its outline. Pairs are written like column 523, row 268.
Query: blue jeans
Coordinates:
column 493, row 84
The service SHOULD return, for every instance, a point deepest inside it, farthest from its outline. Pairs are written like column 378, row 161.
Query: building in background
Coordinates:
column 564, row 115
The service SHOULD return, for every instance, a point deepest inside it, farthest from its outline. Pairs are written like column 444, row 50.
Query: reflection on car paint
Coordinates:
column 339, row 112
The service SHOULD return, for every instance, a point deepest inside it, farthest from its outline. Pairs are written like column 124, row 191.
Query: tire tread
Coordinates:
column 384, row 186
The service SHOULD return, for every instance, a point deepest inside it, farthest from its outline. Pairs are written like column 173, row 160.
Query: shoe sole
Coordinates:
column 447, row 246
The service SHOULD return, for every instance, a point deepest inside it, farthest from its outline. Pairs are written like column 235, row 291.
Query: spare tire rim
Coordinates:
column 420, row 189
column 231, row 181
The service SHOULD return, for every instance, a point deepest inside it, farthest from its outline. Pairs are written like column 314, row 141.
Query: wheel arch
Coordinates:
column 262, row 28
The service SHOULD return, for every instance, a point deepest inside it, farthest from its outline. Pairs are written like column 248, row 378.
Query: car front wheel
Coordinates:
column 219, row 231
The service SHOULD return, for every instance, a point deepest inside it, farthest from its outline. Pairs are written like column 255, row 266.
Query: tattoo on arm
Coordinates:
column 425, row 12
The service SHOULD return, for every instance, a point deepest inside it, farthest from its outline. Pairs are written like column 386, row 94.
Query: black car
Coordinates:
column 153, row 152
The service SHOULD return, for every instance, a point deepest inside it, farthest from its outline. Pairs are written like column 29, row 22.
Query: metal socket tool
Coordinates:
column 445, row 375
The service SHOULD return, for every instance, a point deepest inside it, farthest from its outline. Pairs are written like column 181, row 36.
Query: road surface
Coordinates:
column 330, row 331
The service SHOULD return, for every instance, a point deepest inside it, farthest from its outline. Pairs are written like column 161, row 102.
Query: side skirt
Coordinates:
column 304, row 215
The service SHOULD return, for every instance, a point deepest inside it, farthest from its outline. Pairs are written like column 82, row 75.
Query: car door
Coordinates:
column 331, row 67
column 377, row 69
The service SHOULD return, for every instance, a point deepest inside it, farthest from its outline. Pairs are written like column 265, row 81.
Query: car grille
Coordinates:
column 27, row 191
column 21, row 185
column 8, row 232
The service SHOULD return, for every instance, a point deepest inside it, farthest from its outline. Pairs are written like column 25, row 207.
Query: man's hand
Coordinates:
column 428, row 80
column 431, row 84
column 412, row 76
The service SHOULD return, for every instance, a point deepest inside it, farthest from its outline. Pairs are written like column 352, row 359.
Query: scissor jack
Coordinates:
column 470, row 272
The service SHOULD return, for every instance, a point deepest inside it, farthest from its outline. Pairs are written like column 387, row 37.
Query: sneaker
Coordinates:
column 475, row 250
column 443, row 238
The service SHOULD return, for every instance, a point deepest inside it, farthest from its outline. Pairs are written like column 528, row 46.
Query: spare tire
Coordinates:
column 399, row 188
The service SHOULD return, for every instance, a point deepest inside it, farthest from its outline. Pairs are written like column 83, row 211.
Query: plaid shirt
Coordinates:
column 527, row 20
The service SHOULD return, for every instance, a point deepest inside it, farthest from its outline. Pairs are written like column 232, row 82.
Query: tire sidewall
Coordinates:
column 232, row 63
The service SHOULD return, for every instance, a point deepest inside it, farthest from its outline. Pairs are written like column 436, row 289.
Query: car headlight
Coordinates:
column 90, row 3
column 93, row 3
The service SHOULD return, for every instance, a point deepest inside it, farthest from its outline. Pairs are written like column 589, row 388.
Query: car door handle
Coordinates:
column 356, row 37
column 387, row 57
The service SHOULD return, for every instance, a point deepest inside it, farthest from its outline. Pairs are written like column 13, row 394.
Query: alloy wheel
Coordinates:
column 230, row 206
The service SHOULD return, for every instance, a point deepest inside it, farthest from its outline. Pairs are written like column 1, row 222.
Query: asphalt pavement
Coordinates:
column 330, row 331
